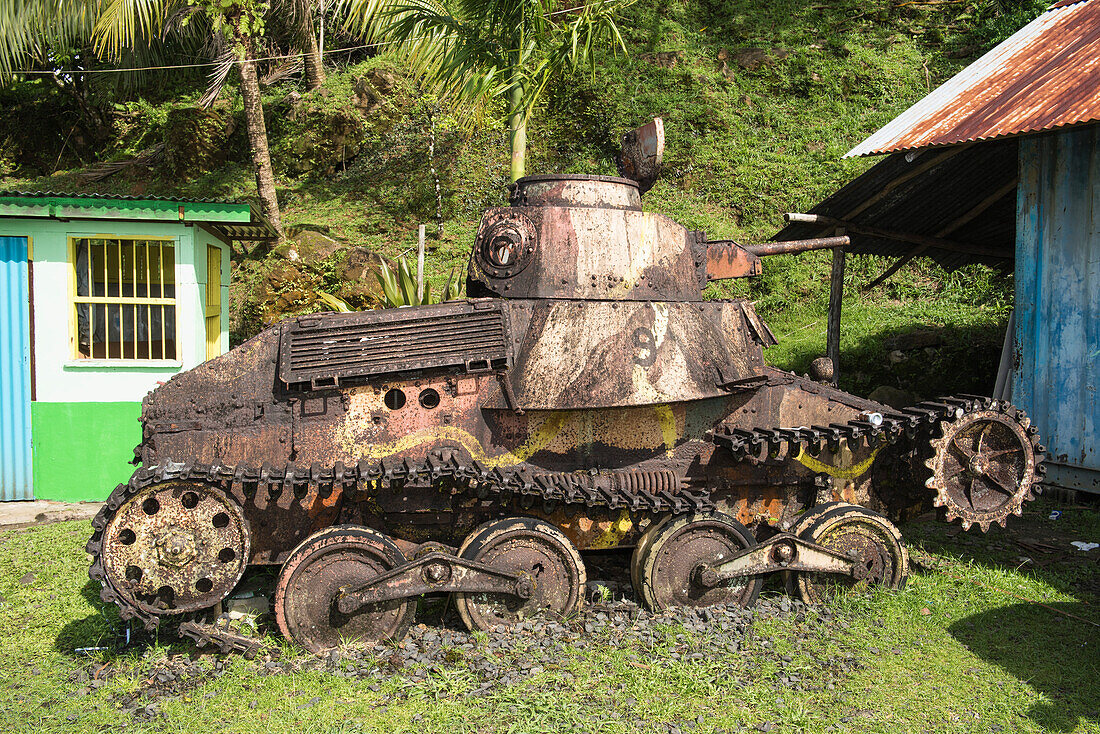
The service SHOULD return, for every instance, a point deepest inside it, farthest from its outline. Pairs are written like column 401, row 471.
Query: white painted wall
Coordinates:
column 61, row 378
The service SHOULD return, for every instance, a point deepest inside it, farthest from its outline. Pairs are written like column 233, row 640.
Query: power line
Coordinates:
column 59, row 72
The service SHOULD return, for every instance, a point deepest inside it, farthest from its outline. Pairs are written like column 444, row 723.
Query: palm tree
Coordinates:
column 473, row 51
column 122, row 23
column 230, row 32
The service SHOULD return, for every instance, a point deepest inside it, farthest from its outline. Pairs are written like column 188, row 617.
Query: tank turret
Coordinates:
column 584, row 396
column 587, row 238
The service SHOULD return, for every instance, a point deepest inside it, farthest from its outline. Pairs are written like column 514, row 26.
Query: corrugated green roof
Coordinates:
column 236, row 220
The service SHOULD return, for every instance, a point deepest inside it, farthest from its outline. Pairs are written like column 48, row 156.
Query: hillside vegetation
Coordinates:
column 760, row 101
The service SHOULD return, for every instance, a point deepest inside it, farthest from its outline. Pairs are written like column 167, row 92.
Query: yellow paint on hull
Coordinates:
column 541, row 434
column 667, row 421
column 839, row 472
column 616, row 531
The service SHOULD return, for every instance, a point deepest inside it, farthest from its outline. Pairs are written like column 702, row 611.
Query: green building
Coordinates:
column 102, row 298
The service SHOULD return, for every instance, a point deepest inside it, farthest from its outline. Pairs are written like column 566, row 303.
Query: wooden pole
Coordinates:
column 420, row 267
column 836, row 297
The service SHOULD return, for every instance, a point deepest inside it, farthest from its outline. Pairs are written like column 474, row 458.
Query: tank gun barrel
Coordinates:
column 792, row 246
column 728, row 259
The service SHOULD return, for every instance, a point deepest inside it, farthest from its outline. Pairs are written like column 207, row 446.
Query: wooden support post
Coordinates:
column 420, row 267
column 836, row 296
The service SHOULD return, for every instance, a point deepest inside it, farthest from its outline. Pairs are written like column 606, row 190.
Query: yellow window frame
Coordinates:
column 164, row 244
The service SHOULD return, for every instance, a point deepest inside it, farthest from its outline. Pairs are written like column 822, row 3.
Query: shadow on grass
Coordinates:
column 931, row 356
column 104, row 634
column 1030, row 545
column 1056, row 655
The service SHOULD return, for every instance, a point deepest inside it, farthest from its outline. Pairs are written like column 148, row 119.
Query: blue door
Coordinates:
column 15, row 371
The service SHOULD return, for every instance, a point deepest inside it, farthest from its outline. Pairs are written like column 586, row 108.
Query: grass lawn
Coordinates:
column 992, row 633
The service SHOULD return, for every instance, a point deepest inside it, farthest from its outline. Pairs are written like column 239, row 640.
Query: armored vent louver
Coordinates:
column 324, row 351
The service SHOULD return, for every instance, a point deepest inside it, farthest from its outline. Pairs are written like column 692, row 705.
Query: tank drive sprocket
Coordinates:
column 175, row 547
column 985, row 465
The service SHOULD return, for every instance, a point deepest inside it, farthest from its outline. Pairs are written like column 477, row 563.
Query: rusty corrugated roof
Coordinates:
column 964, row 195
column 1046, row 75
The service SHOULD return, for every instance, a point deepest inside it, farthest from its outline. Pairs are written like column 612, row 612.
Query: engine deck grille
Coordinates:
column 323, row 351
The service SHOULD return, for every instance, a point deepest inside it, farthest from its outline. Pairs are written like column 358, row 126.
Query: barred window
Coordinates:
column 125, row 299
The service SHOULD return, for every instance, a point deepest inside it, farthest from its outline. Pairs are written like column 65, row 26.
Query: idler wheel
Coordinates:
column 533, row 548
column 310, row 582
column 869, row 539
column 985, row 466
column 671, row 566
column 176, row 547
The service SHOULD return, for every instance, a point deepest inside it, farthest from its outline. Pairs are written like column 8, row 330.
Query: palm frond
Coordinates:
column 471, row 51
column 31, row 27
column 216, row 79
column 123, row 24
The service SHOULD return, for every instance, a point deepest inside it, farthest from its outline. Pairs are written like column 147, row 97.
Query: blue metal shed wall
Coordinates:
column 15, row 371
column 1057, row 351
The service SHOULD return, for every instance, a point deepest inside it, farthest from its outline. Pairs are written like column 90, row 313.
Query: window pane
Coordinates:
column 170, row 332
column 169, row 272
column 83, row 268
column 133, row 270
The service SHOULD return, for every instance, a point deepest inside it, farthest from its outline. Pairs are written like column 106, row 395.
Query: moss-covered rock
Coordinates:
column 327, row 139
column 197, row 140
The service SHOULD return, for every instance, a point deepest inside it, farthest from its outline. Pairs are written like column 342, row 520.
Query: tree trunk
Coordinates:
column 315, row 70
column 517, row 137
column 257, row 141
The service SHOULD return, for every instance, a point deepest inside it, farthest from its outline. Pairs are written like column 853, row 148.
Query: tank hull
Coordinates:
column 650, row 419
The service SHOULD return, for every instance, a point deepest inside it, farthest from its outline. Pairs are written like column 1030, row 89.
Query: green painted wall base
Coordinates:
column 82, row 450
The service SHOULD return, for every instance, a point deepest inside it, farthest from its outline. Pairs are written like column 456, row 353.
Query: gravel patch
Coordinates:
column 439, row 648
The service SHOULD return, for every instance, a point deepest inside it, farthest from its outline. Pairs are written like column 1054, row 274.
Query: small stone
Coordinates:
column 27, row 579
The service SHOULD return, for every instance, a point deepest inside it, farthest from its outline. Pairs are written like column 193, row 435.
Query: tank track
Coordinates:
column 364, row 479
column 920, row 419
column 222, row 636
column 474, row 479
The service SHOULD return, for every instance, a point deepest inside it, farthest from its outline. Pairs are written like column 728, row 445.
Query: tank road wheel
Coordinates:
column 640, row 549
column 985, row 466
column 527, row 546
column 176, row 547
column 667, row 565
column 803, row 521
column 309, row 584
column 866, row 537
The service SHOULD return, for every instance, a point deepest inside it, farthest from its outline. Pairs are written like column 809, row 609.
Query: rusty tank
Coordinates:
column 583, row 396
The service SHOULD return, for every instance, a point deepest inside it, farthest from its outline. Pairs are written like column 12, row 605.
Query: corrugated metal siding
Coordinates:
column 15, row 373
column 1058, row 300
column 1047, row 75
